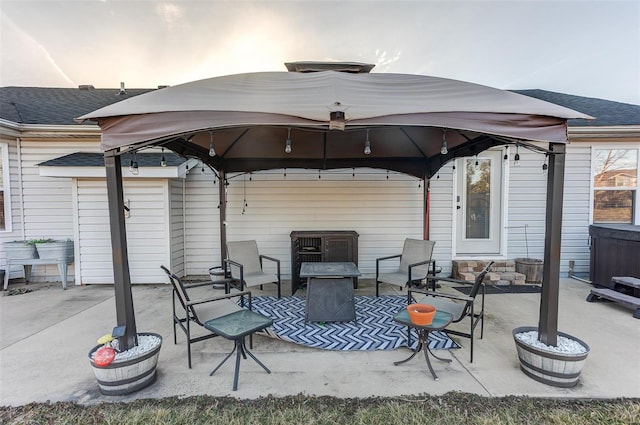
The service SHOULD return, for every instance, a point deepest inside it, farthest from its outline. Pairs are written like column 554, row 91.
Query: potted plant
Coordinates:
column 51, row 249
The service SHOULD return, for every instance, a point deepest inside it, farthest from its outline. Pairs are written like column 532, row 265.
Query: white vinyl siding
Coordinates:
column 176, row 229
column 201, row 223
column 575, row 213
column 176, row 223
column 383, row 211
column 527, row 198
column 441, row 217
column 14, row 199
column 48, row 206
column 527, row 206
column 5, row 190
column 42, row 207
column 147, row 231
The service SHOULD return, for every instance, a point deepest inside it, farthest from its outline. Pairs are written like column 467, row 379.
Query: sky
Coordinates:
column 584, row 48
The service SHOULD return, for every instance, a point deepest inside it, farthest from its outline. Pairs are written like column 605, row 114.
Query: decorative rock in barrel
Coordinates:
column 550, row 367
column 128, row 375
column 531, row 268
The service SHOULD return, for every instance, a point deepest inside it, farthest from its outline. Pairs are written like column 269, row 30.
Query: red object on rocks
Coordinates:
column 104, row 356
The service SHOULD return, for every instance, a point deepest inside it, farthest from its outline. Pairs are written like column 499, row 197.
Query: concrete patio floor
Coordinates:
column 45, row 337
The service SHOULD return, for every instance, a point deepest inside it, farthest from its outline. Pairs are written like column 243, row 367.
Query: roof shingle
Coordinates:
column 56, row 106
column 59, row 106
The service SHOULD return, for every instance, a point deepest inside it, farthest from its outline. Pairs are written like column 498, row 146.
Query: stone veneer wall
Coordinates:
column 502, row 272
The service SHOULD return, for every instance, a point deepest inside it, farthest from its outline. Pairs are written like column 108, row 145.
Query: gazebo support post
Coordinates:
column 548, row 325
column 426, row 200
column 121, row 277
column 222, row 195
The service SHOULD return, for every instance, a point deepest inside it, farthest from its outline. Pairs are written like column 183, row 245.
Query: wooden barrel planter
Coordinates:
column 531, row 268
column 548, row 367
column 130, row 375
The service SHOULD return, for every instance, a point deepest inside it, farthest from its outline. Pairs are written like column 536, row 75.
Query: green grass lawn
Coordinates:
column 452, row 408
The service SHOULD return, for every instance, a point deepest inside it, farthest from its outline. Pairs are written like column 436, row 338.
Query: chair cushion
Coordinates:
column 443, row 304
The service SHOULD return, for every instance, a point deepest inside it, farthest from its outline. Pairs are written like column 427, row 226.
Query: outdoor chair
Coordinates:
column 460, row 306
column 245, row 264
column 414, row 263
column 195, row 304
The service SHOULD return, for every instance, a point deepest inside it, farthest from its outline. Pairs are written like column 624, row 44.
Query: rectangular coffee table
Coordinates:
column 330, row 295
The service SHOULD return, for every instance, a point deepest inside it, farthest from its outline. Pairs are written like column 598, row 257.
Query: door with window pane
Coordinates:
column 478, row 204
column 615, row 185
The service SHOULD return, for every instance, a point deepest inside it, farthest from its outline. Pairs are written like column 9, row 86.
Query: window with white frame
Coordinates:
column 615, row 185
column 5, row 200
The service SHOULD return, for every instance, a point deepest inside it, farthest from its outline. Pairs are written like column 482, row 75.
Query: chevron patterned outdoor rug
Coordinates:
column 375, row 329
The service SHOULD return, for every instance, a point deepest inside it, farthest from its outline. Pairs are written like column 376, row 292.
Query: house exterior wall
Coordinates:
column 15, row 227
column 148, row 230
column 176, row 232
column 384, row 211
column 178, row 220
column 41, row 207
column 441, row 210
column 526, row 197
column 576, row 207
column 201, row 223
column 62, row 208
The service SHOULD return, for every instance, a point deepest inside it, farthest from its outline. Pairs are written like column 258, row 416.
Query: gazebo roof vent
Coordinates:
column 350, row 67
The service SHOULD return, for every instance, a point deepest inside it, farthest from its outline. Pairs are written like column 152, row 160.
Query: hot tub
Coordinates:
column 615, row 251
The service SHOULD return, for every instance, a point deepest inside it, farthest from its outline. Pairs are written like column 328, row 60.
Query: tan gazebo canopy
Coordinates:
column 249, row 117
column 331, row 116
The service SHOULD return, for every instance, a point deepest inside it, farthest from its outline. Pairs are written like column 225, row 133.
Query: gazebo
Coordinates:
column 326, row 116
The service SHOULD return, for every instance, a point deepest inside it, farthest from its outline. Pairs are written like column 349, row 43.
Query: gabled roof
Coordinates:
column 59, row 106
column 91, row 165
column 96, row 159
column 56, row 106
column 606, row 112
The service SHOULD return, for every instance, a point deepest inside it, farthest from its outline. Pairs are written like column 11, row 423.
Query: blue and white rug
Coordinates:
column 375, row 329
